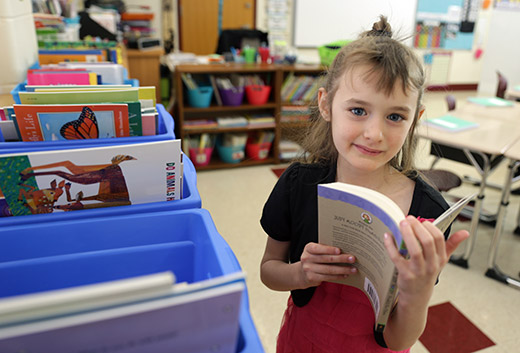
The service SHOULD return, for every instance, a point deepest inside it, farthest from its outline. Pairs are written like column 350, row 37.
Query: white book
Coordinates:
column 95, row 177
column 355, row 219
column 188, row 318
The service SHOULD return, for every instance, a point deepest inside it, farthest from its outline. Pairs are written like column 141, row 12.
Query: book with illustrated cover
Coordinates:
column 149, row 313
column 71, row 96
column 71, row 122
column 354, row 219
column 491, row 101
column 95, row 177
column 450, row 123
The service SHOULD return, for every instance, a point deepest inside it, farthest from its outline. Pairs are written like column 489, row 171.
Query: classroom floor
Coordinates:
column 469, row 312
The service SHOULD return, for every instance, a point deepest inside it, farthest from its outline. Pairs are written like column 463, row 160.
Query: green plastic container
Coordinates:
column 329, row 51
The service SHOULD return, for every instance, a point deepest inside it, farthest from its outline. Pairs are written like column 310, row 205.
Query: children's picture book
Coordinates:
column 77, row 179
column 450, row 123
column 80, row 97
column 491, row 101
column 53, row 77
column 355, row 219
column 71, row 122
column 42, row 88
column 177, row 317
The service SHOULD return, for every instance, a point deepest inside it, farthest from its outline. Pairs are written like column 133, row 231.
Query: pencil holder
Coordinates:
column 232, row 97
column 257, row 94
column 200, row 97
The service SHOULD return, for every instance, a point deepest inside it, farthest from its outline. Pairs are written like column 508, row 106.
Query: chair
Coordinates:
column 239, row 38
column 443, row 180
column 502, row 86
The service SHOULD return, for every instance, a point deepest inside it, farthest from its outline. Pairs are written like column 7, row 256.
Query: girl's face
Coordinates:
column 369, row 127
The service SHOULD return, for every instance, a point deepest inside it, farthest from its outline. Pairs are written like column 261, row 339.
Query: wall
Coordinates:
column 464, row 68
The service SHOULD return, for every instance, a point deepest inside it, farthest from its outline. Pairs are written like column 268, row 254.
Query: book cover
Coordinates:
column 190, row 317
column 80, row 97
column 62, row 77
column 355, row 219
column 42, row 88
column 76, row 179
column 491, row 101
column 71, row 122
column 450, row 123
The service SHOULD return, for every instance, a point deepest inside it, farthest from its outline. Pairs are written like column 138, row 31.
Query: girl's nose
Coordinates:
column 374, row 129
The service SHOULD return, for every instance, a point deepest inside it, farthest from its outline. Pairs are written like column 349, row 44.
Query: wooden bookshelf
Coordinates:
column 273, row 75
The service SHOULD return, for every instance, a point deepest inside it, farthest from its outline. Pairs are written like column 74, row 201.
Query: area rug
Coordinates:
column 449, row 331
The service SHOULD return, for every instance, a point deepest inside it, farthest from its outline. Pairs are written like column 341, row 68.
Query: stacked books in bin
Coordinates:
column 65, row 175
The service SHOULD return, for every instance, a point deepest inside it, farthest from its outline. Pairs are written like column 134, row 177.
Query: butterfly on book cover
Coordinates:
column 85, row 127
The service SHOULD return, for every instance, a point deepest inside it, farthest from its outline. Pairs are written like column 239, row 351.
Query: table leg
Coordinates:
column 493, row 271
column 462, row 261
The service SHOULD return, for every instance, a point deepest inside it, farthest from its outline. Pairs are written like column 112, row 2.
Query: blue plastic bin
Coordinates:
column 108, row 248
column 165, row 132
column 190, row 199
column 200, row 97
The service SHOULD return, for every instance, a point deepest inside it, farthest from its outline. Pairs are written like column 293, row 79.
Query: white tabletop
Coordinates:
column 498, row 129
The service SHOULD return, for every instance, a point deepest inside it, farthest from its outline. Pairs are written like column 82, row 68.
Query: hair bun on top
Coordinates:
column 380, row 28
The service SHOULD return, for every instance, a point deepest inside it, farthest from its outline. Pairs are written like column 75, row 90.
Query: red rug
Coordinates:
column 278, row 171
column 449, row 331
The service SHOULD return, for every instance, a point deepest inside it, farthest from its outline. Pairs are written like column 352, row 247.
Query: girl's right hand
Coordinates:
column 320, row 263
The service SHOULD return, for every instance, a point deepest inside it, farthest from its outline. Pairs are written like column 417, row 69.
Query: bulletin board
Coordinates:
column 320, row 22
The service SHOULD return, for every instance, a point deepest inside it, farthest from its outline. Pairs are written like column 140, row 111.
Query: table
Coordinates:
column 496, row 134
column 513, row 153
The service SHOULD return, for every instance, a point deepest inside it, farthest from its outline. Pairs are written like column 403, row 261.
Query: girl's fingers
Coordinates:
column 390, row 246
column 319, row 253
column 413, row 245
column 455, row 240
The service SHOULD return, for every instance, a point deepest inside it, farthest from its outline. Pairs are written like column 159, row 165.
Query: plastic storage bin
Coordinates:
column 190, row 200
column 201, row 156
column 95, row 250
column 258, row 151
column 329, row 51
column 200, row 97
column 257, row 94
column 165, row 132
column 232, row 97
column 230, row 147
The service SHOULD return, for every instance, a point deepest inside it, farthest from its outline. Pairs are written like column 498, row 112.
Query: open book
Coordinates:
column 354, row 219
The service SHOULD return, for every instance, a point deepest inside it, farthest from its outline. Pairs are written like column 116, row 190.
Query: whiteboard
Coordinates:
column 501, row 51
column 318, row 22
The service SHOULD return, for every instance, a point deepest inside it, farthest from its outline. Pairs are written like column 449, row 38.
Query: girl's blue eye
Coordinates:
column 395, row 117
column 358, row 111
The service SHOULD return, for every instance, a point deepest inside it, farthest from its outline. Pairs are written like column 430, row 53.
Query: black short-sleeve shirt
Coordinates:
column 291, row 211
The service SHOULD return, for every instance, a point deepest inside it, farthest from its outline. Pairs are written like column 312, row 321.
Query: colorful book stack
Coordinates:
column 299, row 89
column 48, row 164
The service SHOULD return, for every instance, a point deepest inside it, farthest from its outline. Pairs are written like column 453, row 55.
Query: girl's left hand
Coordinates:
column 428, row 254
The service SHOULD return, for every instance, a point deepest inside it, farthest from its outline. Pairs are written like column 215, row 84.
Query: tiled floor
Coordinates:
column 235, row 198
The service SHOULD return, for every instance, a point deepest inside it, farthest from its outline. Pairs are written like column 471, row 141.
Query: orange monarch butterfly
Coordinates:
column 85, row 127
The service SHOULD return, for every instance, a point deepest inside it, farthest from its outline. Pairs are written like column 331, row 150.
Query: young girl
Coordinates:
column 362, row 134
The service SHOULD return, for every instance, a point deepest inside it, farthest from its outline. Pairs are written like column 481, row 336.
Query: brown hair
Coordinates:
column 392, row 61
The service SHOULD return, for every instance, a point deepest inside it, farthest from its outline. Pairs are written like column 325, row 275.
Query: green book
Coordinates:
column 491, row 101
column 80, row 97
column 450, row 123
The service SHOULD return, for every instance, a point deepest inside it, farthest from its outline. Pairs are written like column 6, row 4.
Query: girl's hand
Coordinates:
column 321, row 263
column 428, row 254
